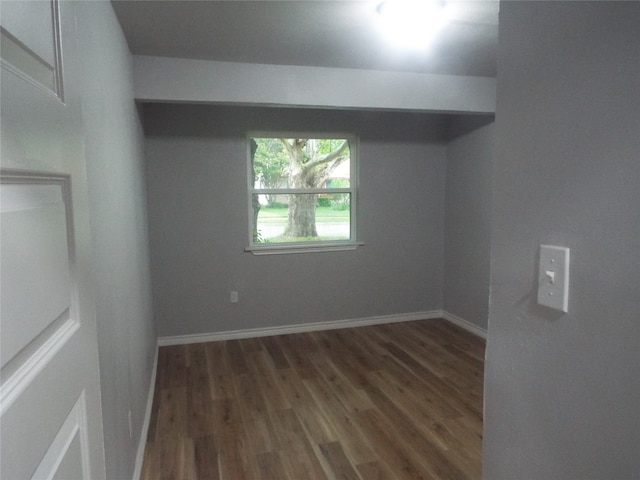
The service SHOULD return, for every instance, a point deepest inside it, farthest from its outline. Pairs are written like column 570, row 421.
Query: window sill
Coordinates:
column 289, row 249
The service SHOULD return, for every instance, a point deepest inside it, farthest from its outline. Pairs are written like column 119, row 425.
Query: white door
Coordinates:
column 50, row 415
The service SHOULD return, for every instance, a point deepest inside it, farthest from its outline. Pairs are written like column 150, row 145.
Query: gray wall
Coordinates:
column 198, row 217
column 468, row 219
column 114, row 146
column 562, row 391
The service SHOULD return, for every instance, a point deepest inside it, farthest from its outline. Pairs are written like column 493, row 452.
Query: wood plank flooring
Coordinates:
column 399, row 401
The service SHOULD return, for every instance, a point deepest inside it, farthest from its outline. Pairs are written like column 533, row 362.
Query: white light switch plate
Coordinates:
column 553, row 277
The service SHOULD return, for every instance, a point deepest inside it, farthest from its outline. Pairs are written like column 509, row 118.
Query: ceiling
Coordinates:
column 325, row 33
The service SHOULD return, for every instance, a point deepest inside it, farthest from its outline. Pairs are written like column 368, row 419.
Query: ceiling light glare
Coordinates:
column 412, row 23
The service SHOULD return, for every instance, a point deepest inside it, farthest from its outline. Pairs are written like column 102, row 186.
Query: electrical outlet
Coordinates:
column 234, row 297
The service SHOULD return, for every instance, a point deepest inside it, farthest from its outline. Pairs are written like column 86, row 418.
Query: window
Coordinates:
column 302, row 193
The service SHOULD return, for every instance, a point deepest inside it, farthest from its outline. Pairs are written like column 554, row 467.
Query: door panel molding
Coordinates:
column 74, row 427
column 38, row 339
column 18, row 57
column 24, row 368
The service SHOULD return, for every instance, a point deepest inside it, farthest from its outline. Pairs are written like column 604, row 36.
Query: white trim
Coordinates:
column 74, row 425
column 309, row 247
column 21, row 370
column 467, row 325
column 26, row 373
column 294, row 191
column 142, row 442
column 299, row 328
column 21, row 52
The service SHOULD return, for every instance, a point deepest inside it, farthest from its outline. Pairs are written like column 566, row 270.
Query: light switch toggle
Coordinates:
column 553, row 277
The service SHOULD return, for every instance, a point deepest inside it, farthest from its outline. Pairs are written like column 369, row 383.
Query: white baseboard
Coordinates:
column 462, row 323
column 317, row 326
column 142, row 443
column 300, row 328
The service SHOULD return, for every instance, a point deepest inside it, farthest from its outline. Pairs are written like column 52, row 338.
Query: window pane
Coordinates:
column 300, row 163
column 301, row 218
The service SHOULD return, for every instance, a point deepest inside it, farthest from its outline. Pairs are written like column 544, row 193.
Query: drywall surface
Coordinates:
column 114, row 146
column 198, row 217
column 162, row 79
column 562, row 391
column 468, row 223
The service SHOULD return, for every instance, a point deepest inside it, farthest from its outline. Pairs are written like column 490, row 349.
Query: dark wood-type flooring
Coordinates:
column 398, row 401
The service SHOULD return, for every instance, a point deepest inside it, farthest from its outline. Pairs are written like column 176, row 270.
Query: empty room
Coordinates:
column 358, row 239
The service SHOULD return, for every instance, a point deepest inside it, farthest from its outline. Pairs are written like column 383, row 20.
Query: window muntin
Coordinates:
column 301, row 190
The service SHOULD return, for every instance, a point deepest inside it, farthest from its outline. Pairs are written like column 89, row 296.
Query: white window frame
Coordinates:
column 309, row 246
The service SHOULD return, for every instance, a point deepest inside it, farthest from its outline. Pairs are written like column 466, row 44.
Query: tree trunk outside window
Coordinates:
column 308, row 168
